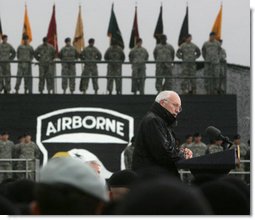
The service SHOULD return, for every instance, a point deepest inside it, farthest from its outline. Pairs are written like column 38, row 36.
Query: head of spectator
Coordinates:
column 68, row 187
column 139, row 42
column 20, row 193
column 68, row 41
column 163, row 39
column 188, row 38
column 21, row 139
column 163, row 196
column 4, row 38
column 28, row 138
column 25, row 39
column 7, row 207
column 225, row 198
column 91, row 42
column 5, row 136
column 188, row 139
column 114, row 42
column 219, row 142
column 197, row 137
column 45, row 40
column 171, row 101
column 120, row 182
column 237, row 139
column 212, row 36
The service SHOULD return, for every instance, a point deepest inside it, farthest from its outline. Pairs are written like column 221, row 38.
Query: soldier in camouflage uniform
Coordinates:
column 163, row 52
column 188, row 141
column 90, row 53
column 214, row 147
column 24, row 53
column 45, row 54
column 114, row 53
column 68, row 53
column 188, row 52
column 223, row 69
column 138, row 56
column 27, row 150
column 6, row 151
column 197, row 146
column 128, row 153
column 7, row 53
column 243, row 151
column 211, row 54
column 21, row 140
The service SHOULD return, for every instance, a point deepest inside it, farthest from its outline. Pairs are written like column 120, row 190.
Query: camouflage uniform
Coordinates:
column 90, row 69
column 211, row 54
column 241, row 168
column 198, row 149
column 128, row 156
column 6, row 150
column 137, row 57
column 114, row 53
column 45, row 54
column 24, row 53
column 68, row 53
column 223, row 70
column 188, row 52
column 164, row 52
column 214, row 148
column 7, row 53
column 27, row 151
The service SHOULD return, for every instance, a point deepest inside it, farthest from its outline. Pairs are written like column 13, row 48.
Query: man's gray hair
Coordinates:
column 164, row 95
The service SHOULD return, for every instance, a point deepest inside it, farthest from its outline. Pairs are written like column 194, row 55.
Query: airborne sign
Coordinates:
column 67, row 127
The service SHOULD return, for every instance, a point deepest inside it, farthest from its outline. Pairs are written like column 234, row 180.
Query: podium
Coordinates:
column 216, row 164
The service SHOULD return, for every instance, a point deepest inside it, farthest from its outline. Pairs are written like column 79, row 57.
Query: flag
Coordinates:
column 135, row 32
column 78, row 40
column 217, row 25
column 1, row 31
column 52, row 31
column 159, row 27
column 26, row 27
column 114, row 31
column 185, row 28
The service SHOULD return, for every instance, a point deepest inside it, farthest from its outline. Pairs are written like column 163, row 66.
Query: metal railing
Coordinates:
column 27, row 171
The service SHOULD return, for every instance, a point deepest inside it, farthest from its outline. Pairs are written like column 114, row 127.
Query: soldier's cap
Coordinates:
column 69, row 171
column 197, row 134
column 4, row 133
column 237, row 136
column 68, row 39
column 139, row 40
column 123, row 178
column 212, row 34
column 91, row 40
column 25, row 37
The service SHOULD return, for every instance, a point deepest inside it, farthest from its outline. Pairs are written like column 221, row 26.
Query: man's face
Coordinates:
column 189, row 140
column 28, row 139
column 212, row 37
column 139, row 44
column 95, row 166
column 172, row 104
column 197, row 139
column 5, row 137
column 188, row 40
column 5, row 40
column 237, row 141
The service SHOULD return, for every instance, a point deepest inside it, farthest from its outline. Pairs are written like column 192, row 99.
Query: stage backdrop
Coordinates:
column 104, row 124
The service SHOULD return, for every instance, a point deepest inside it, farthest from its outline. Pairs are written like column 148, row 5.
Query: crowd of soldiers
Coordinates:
column 24, row 149
column 213, row 53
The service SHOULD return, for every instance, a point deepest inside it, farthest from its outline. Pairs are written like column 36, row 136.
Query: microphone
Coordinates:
column 215, row 133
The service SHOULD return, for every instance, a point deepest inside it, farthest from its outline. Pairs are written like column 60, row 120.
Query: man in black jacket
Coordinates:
column 155, row 142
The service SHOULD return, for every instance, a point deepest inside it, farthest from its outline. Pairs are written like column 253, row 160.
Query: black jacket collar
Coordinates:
column 163, row 113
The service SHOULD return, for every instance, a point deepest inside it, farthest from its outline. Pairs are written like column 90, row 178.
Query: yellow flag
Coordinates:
column 26, row 27
column 78, row 40
column 217, row 25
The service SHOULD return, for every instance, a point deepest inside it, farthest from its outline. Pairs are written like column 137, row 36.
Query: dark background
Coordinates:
column 18, row 114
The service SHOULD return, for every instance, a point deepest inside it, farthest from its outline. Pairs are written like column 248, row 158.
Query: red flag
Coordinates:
column 135, row 32
column 52, row 31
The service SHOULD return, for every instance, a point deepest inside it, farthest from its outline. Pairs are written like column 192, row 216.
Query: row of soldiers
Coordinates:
column 24, row 149
column 164, row 54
